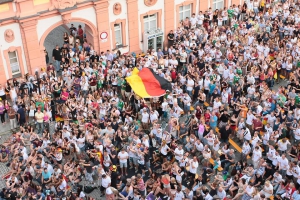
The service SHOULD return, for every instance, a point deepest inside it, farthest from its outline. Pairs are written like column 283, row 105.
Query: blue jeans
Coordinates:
column 40, row 127
column 226, row 164
column 57, row 65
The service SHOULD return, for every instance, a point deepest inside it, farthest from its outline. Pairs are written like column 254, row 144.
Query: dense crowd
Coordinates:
column 229, row 129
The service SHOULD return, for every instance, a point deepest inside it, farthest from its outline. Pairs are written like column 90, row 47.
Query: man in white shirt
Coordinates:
column 179, row 153
column 193, row 167
column 179, row 195
column 249, row 120
column 187, row 102
column 245, row 150
column 123, row 157
column 221, row 193
column 105, row 183
column 193, row 20
column 283, row 164
column 145, row 118
column 200, row 18
column 190, row 85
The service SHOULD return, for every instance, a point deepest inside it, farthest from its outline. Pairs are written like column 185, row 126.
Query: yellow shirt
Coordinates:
column 39, row 117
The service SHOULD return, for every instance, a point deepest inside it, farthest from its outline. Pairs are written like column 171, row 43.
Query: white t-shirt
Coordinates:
column 180, row 152
column 123, row 157
column 106, row 181
column 63, row 185
column 179, row 196
column 256, row 155
column 250, row 118
column 164, row 149
column 282, row 146
column 190, row 84
column 283, row 163
column 145, row 117
column 249, row 190
column 194, row 166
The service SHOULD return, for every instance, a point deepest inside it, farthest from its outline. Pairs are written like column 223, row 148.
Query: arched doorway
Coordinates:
column 54, row 34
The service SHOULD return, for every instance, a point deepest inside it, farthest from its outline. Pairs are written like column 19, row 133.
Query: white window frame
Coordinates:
column 14, row 64
column 218, row 4
column 185, row 11
column 147, row 21
column 118, row 28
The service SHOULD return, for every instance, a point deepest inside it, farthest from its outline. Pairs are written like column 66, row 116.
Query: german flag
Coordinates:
column 147, row 84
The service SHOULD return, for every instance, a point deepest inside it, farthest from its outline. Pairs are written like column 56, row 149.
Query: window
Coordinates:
column 218, row 4
column 150, row 22
column 14, row 62
column 118, row 34
column 185, row 11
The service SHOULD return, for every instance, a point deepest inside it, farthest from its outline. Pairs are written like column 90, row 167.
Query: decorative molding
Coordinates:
column 150, row 2
column 101, row 5
column 20, row 59
column 63, row 4
column 117, row 8
column 29, row 24
column 9, row 35
column 66, row 18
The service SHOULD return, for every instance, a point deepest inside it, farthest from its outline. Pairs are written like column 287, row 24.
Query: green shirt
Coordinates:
column 120, row 105
column 212, row 77
column 123, row 85
column 281, row 100
column 235, row 26
column 297, row 100
column 119, row 80
column 239, row 71
column 40, row 104
column 230, row 13
column 236, row 79
column 100, row 84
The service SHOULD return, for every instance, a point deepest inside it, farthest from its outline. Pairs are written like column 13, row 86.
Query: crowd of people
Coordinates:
column 229, row 129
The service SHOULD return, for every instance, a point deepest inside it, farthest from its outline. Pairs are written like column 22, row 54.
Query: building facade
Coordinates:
column 126, row 25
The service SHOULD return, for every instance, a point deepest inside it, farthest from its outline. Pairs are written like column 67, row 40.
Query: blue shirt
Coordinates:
column 296, row 196
column 213, row 121
column 46, row 175
column 211, row 88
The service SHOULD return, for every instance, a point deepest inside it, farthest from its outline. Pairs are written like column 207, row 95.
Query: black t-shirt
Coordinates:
column 115, row 126
column 114, row 160
column 224, row 118
column 56, row 54
column 96, row 162
column 206, row 18
column 225, row 133
column 127, row 88
column 215, row 95
column 102, row 125
column 201, row 65
column 269, row 172
column 89, row 169
column 237, row 94
column 258, row 179
column 114, row 179
column 171, row 36
column 13, row 195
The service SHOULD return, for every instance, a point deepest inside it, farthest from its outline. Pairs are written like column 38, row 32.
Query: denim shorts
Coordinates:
column 123, row 164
